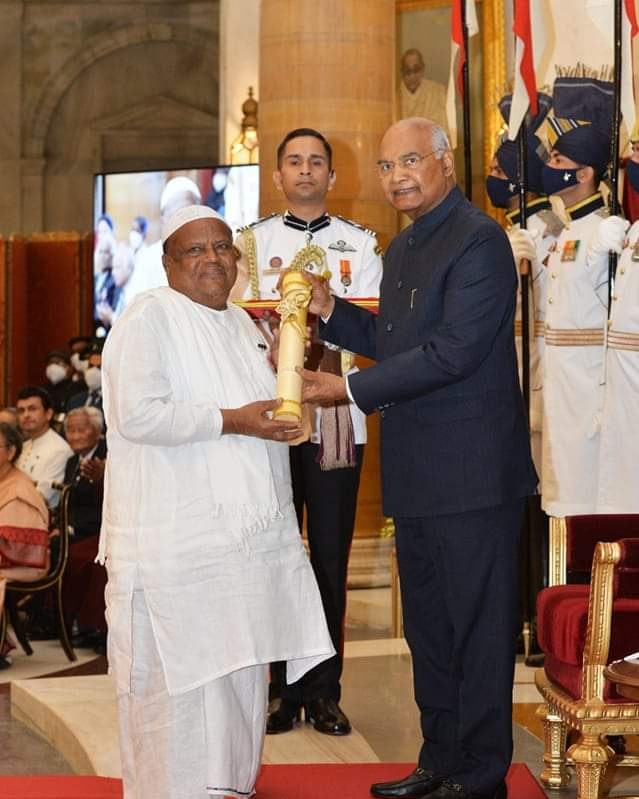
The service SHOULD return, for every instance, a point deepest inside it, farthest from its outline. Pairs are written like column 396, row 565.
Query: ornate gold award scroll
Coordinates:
column 293, row 307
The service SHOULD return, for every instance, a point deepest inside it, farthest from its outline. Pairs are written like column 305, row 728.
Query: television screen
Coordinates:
column 128, row 212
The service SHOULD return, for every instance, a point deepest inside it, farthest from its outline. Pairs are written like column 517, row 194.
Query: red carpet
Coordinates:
column 327, row 781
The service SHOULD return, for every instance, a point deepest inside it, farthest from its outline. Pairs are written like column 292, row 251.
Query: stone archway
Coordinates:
column 56, row 176
column 96, row 48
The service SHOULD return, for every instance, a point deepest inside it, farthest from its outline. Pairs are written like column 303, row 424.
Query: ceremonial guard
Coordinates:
column 531, row 244
column 618, row 487
column 576, row 309
column 326, row 468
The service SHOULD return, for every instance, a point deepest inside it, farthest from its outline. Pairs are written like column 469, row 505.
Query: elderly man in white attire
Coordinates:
column 199, row 531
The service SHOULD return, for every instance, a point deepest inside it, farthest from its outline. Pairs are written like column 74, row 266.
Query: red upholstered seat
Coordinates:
column 562, row 619
column 581, row 629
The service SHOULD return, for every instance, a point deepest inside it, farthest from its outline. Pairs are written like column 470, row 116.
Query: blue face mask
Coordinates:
column 500, row 191
column 554, row 180
column 632, row 173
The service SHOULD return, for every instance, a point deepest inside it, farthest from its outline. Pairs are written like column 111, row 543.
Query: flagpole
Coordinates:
column 614, row 146
column 468, row 169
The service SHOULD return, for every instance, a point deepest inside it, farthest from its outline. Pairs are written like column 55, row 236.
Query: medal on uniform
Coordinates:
column 635, row 251
column 569, row 252
column 345, row 272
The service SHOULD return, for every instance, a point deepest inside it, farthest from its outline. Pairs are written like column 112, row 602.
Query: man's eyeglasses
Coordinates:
column 411, row 161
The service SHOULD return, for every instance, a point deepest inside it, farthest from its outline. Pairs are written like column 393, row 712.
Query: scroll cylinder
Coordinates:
column 295, row 295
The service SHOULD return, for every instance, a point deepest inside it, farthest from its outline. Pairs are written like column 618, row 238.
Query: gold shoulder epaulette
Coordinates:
column 257, row 222
column 357, row 225
column 604, row 212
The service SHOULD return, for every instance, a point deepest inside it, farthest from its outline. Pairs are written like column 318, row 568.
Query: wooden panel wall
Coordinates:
column 18, row 315
column 53, row 299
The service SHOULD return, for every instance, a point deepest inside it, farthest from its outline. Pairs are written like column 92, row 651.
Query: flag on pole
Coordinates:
column 601, row 12
column 629, row 29
column 529, row 46
column 458, row 57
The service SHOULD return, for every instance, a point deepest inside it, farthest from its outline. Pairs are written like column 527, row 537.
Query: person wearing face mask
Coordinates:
column 578, row 134
column 531, row 244
column 619, row 430
column 92, row 396
column 76, row 346
column 59, row 383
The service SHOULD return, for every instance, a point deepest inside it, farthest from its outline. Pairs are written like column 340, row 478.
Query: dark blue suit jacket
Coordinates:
column 454, row 436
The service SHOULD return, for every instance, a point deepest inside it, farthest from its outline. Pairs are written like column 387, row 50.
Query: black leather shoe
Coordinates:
column 452, row 790
column 281, row 715
column 418, row 784
column 327, row 716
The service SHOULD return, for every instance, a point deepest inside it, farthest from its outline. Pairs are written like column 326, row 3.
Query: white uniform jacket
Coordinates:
column 352, row 255
column 618, row 476
column 576, row 312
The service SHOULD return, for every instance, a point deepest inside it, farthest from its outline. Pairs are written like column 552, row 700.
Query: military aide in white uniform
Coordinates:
column 576, row 308
column 618, row 483
column 327, row 495
column 199, row 532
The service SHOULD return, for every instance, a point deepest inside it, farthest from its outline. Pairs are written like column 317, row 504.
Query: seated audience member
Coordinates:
column 60, row 383
column 10, row 416
column 84, row 580
column 44, row 453
column 24, row 521
column 92, row 395
column 77, row 345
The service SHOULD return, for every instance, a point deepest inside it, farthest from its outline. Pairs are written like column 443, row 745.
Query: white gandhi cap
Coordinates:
column 189, row 214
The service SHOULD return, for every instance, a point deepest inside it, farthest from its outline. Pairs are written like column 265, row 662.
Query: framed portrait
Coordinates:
column 423, row 66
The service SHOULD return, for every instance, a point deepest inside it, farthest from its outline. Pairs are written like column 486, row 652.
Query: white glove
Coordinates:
column 610, row 235
column 523, row 244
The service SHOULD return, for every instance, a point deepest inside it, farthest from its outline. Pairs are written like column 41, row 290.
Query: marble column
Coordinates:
column 330, row 66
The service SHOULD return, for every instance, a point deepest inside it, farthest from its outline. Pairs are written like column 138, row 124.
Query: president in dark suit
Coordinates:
column 456, row 464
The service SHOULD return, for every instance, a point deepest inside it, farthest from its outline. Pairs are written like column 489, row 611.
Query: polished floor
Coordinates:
column 377, row 695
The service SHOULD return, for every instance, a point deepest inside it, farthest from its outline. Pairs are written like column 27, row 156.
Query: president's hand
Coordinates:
column 254, row 420
column 322, row 387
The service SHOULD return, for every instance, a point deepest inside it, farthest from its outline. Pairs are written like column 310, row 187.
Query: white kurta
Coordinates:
column 618, row 475
column 353, row 258
column 576, row 311
column 203, row 523
column 44, row 460
column 540, row 225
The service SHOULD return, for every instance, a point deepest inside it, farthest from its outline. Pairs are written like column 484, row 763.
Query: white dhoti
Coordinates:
column 206, row 742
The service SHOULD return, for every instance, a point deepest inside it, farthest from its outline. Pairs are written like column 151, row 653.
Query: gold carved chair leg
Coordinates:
column 591, row 757
column 555, row 774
